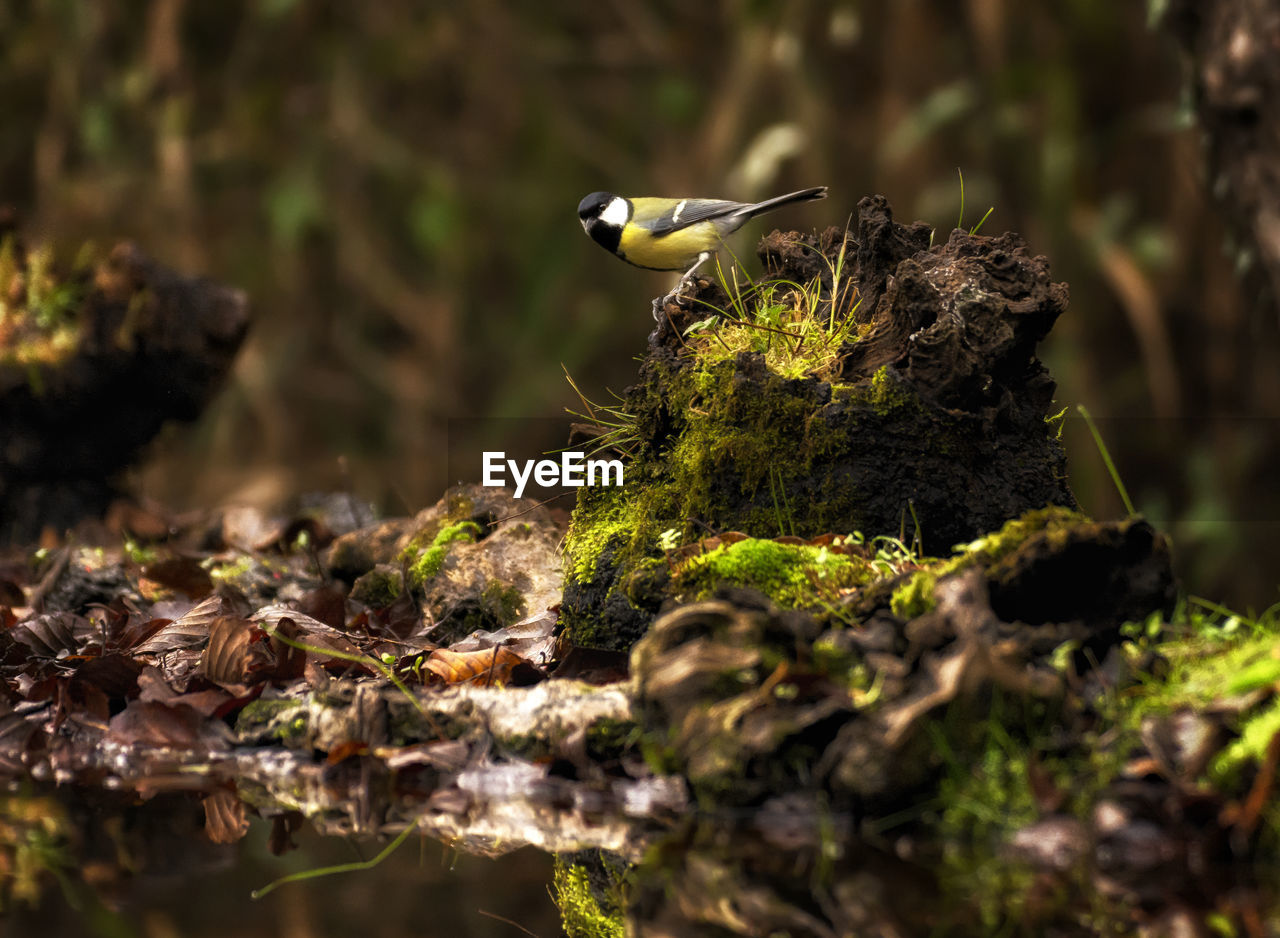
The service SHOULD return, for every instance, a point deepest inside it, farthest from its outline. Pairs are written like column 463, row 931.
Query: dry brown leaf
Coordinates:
column 155, row 724
column 492, row 666
column 225, row 660
column 49, row 635
column 183, row 574
column 187, row 631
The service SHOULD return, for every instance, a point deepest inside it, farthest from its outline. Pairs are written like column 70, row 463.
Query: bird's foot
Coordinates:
column 676, row 296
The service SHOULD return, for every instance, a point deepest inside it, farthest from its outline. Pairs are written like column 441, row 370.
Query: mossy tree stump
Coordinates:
column 923, row 412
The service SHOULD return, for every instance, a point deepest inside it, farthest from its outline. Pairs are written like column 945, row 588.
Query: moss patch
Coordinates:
column 282, row 721
column 378, row 588
column 425, row 560
column 792, row 575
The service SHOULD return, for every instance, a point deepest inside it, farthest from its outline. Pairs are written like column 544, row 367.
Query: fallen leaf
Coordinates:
column 188, row 631
column 225, row 660
column 115, row 675
column 150, row 723
column 532, row 638
column 325, row 604
column 182, row 574
column 50, row 635
column 490, row 667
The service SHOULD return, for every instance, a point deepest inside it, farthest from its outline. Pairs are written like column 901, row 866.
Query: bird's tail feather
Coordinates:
column 768, row 205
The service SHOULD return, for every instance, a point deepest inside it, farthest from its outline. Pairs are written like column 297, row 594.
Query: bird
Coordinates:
column 669, row 234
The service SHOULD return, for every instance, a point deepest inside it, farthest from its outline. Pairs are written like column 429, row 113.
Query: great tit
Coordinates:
column 668, row 234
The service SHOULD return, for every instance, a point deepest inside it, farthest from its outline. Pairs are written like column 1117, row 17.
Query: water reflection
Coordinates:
column 116, row 864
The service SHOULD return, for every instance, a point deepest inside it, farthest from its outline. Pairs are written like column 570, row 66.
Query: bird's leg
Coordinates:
column 684, row 280
column 702, row 259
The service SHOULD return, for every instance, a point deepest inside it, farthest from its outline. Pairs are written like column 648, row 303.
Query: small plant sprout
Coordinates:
column 960, row 220
column 1106, row 458
column 617, row 427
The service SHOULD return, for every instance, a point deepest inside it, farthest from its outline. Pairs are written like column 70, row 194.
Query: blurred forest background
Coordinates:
column 395, row 185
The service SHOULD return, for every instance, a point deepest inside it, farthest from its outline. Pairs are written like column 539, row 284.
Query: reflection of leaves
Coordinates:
column 340, row 868
column 225, row 818
column 282, row 828
column 15, row 735
column 450, row 755
column 346, row 750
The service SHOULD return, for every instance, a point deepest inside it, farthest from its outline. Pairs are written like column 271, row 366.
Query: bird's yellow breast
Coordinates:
column 674, row 251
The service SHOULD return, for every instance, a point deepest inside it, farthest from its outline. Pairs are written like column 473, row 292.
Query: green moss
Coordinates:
column 793, row 327
column 1055, row 521
column 425, row 561
column 378, row 588
column 1255, row 736
column 1208, row 664
column 792, row 575
column 915, row 596
column 887, row 392
column 140, row 554
column 739, row 439
column 582, row 912
column 622, row 520
column 233, row 570
column 504, row 602
column 282, row 720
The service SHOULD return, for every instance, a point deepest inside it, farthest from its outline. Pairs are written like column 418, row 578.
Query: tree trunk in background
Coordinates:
column 1235, row 58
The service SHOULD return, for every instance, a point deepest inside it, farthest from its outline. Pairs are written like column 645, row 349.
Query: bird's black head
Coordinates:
column 603, row 215
column 591, row 206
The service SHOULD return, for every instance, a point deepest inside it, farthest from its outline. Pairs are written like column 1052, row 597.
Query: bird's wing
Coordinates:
column 682, row 214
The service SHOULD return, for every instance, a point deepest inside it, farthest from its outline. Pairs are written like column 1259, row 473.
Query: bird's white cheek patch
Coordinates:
column 615, row 213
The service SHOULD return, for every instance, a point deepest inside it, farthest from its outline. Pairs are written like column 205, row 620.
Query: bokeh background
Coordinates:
column 394, row 184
